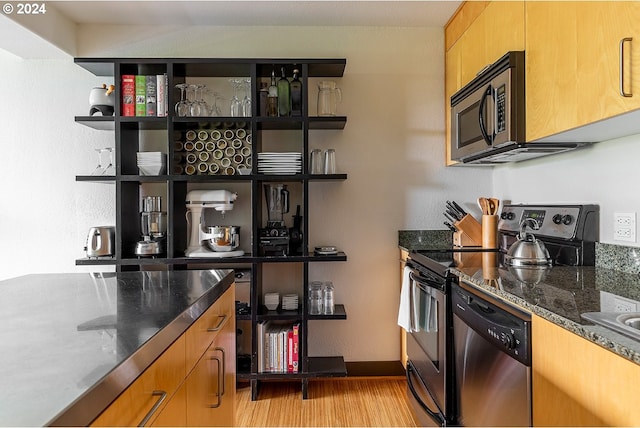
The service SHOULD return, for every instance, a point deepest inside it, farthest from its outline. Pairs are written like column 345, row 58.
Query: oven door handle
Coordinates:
column 421, row 280
column 436, row 416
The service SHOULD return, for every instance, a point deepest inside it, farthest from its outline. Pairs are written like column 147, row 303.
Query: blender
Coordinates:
column 211, row 241
column 153, row 225
column 274, row 239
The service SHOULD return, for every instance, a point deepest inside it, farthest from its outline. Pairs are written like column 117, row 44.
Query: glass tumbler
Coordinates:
column 315, row 162
column 327, row 299
column 315, row 298
column 330, row 161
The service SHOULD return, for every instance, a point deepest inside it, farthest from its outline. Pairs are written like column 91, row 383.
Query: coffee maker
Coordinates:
column 211, row 241
column 274, row 239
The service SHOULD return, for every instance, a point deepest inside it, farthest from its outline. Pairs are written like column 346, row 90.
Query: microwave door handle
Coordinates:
column 487, row 93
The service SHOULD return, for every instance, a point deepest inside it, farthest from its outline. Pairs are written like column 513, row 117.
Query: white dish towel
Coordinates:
column 405, row 310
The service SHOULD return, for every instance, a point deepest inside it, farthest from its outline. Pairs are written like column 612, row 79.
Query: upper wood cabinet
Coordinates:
column 476, row 36
column 578, row 383
column 573, row 58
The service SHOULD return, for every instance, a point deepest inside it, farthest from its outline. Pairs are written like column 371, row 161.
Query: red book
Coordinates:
column 290, row 351
column 295, row 348
column 128, row 95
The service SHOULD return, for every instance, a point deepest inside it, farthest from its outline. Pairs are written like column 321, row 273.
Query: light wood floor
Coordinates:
column 342, row 402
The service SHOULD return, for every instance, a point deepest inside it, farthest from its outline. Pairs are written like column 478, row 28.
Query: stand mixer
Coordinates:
column 219, row 241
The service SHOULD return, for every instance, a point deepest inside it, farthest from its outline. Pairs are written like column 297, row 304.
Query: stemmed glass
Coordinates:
column 182, row 106
column 236, row 104
column 99, row 170
column 194, row 103
column 246, row 101
column 110, row 169
column 214, row 108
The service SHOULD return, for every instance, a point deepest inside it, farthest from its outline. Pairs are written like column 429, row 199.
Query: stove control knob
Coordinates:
column 567, row 219
column 557, row 219
column 273, row 232
column 507, row 215
column 507, row 340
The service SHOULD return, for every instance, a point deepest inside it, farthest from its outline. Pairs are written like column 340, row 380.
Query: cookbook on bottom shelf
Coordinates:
column 278, row 347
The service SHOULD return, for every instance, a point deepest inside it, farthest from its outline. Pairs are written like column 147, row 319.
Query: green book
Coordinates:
column 141, row 95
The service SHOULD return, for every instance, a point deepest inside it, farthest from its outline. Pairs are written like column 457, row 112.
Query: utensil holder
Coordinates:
column 490, row 231
column 469, row 232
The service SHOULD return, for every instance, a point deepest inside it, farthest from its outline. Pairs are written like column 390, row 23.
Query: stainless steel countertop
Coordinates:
column 71, row 343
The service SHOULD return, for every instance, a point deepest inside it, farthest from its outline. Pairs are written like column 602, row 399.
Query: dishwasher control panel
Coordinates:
column 505, row 329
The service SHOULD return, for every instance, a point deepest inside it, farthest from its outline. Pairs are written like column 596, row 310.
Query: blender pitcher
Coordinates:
column 277, row 197
column 328, row 98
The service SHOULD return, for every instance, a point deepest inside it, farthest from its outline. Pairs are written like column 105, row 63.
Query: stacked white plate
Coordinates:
column 290, row 302
column 272, row 300
column 275, row 163
column 151, row 163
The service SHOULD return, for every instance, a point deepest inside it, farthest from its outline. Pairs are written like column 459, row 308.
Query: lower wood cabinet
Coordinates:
column 578, row 383
column 192, row 383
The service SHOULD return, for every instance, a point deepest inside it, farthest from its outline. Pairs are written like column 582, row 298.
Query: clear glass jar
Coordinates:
column 315, row 298
column 328, row 302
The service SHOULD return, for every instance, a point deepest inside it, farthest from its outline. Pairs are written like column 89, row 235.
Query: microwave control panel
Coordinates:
column 501, row 101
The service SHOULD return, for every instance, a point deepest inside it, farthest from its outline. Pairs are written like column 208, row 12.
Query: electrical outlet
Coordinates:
column 624, row 227
column 624, row 305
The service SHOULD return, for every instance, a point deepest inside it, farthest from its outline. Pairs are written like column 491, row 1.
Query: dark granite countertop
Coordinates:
column 562, row 295
column 72, row 342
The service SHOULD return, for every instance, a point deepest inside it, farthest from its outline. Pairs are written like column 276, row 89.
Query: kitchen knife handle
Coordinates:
column 621, row 79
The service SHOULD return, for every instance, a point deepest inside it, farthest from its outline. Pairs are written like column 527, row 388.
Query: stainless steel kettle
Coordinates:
column 101, row 241
column 527, row 250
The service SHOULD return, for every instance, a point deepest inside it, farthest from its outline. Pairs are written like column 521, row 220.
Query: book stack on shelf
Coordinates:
column 145, row 95
column 278, row 347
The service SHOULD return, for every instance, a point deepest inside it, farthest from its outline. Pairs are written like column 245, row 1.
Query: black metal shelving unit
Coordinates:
column 129, row 133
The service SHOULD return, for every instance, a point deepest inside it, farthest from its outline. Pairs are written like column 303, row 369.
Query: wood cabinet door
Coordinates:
column 573, row 63
column 578, row 383
column 601, row 28
column 144, row 400
column 211, row 385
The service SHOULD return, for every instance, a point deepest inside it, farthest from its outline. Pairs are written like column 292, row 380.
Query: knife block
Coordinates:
column 469, row 232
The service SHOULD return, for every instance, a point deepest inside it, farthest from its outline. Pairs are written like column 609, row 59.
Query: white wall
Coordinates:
column 392, row 148
column 605, row 173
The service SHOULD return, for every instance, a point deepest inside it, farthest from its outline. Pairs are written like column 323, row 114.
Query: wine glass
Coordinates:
column 214, row 108
column 246, row 101
column 99, row 170
column 236, row 104
column 182, row 106
column 109, row 169
column 195, row 107
column 204, row 107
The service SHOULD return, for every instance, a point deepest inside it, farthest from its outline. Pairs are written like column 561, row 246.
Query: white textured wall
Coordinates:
column 392, row 148
column 605, row 173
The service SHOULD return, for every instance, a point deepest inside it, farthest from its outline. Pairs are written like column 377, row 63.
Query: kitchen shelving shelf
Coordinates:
column 129, row 136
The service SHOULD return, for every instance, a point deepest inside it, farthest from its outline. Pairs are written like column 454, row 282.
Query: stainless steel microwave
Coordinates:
column 488, row 119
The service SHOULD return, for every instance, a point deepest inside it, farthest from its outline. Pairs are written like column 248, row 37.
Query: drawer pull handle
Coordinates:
column 162, row 395
column 622, row 91
column 224, row 367
column 218, row 395
column 223, row 319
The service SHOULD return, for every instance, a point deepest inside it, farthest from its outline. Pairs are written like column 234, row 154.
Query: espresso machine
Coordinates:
column 153, row 227
column 274, row 239
column 211, row 241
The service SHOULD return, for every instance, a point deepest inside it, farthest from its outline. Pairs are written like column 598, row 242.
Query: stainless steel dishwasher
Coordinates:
column 492, row 361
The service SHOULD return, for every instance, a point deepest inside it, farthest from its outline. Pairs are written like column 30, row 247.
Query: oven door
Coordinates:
column 426, row 343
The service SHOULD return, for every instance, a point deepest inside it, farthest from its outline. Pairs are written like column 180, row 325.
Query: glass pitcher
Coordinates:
column 328, row 98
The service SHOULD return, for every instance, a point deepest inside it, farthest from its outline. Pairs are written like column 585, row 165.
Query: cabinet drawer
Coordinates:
column 148, row 394
column 206, row 328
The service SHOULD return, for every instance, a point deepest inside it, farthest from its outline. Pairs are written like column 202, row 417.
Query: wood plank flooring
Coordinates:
column 342, row 402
